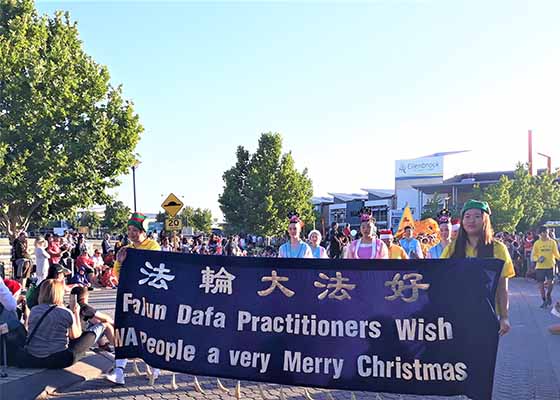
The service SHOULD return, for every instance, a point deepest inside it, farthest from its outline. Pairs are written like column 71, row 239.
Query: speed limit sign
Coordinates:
column 173, row 224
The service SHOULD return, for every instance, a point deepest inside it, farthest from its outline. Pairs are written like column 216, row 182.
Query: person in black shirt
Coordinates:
column 93, row 318
column 105, row 245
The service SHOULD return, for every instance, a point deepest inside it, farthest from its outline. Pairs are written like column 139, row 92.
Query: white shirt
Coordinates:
column 6, row 297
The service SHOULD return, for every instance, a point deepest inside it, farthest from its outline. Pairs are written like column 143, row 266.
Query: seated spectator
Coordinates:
column 108, row 279
column 85, row 261
column 81, row 278
column 67, row 262
column 56, row 339
column 56, row 272
column 91, row 317
column 98, row 261
column 109, row 259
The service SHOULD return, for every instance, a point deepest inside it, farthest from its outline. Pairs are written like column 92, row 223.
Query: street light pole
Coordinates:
column 134, row 166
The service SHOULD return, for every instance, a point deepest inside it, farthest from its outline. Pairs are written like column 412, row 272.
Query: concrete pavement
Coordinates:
column 528, row 366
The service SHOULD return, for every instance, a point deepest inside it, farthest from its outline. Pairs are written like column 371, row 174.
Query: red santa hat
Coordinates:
column 455, row 224
column 385, row 234
column 12, row 285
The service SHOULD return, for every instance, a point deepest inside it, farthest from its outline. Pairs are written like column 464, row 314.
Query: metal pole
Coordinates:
column 134, row 185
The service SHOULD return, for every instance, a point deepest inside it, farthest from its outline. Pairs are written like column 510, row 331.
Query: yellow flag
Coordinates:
column 406, row 220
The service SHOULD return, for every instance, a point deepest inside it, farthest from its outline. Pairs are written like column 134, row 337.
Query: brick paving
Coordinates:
column 528, row 367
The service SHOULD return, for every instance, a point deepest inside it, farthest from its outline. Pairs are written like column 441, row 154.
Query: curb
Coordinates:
column 45, row 383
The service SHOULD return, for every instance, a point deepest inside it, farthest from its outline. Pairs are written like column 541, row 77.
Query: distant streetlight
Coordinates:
column 548, row 162
column 134, row 166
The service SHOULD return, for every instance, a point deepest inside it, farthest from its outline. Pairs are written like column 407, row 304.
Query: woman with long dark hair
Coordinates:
column 295, row 247
column 476, row 239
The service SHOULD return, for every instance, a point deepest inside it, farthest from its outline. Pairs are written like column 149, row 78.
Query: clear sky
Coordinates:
column 351, row 87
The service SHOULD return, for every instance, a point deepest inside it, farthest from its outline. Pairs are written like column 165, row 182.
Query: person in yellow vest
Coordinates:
column 476, row 239
column 545, row 254
column 138, row 239
column 396, row 252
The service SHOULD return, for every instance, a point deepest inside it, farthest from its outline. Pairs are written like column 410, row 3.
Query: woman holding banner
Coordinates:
column 295, row 247
column 368, row 246
column 476, row 239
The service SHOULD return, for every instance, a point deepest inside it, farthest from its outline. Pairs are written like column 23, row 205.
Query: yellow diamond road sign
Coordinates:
column 172, row 205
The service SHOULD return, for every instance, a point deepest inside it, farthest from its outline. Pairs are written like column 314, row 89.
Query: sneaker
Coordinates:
column 548, row 301
column 544, row 303
column 116, row 376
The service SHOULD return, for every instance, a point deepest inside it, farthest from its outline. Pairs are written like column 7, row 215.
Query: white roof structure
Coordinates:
column 381, row 193
column 349, row 196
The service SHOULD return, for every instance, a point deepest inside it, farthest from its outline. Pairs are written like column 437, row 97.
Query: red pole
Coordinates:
column 530, row 139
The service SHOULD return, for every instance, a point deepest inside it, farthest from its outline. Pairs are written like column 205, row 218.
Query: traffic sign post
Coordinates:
column 172, row 205
column 173, row 224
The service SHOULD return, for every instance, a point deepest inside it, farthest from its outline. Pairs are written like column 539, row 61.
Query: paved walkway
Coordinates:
column 528, row 367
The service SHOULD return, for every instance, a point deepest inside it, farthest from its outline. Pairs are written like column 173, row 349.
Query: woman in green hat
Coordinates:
column 476, row 239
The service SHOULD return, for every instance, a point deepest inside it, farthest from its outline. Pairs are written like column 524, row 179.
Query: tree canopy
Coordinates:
column 66, row 134
column 262, row 188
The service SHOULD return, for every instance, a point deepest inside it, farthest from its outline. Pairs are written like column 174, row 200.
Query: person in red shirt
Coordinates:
column 53, row 249
column 84, row 260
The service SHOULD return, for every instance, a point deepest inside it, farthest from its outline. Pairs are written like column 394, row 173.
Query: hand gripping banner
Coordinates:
column 411, row 327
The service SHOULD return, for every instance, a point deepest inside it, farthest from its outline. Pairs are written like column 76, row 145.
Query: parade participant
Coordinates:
column 138, row 239
column 476, row 239
column 455, row 226
column 295, row 247
column 314, row 239
column 368, row 246
column 545, row 255
column 396, row 252
column 444, row 235
column 411, row 245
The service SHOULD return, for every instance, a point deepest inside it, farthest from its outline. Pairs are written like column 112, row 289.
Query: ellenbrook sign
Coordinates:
column 374, row 325
column 427, row 167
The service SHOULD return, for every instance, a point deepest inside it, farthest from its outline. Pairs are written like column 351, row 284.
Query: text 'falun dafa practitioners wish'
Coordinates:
column 370, row 325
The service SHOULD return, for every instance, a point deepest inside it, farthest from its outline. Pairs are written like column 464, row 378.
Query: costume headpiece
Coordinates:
column 385, row 234
column 138, row 220
column 294, row 218
column 365, row 215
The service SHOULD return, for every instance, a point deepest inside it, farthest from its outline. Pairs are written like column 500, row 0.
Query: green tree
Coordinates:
column 233, row 196
column 90, row 219
column 201, row 220
column 161, row 216
column 116, row 216
column 524, row 185
column 261, row 189
column 186, row 215
column 507, row 207
column 65, row 133
column 432, row 207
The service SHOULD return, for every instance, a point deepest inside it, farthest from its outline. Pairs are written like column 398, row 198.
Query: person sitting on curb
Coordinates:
column 56, row 339
column 91, row 317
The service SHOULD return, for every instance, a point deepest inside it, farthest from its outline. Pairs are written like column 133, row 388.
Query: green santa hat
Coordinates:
column 481, row 205
column 137, row 220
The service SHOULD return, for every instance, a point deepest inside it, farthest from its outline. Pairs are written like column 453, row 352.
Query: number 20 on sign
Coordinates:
column 173, row 224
